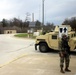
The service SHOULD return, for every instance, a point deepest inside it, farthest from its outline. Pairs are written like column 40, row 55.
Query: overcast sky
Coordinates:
column 55, row 10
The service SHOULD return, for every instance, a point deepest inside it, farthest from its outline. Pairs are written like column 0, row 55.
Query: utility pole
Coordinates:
column 32, row 17
column 42, row 14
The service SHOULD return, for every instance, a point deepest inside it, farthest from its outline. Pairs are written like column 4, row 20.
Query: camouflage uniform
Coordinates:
column 64, row 54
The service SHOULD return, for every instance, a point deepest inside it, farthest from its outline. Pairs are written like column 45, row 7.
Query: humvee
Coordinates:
column 51, row 40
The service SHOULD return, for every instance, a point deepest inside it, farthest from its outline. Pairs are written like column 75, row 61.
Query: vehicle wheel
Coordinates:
column 43, row 47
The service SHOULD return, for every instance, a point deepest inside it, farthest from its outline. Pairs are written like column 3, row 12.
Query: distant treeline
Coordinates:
column 23, row 26
column 71, row 22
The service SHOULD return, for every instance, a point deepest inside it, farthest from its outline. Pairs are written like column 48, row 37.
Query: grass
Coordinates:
column 25, row 35
column 21, row 35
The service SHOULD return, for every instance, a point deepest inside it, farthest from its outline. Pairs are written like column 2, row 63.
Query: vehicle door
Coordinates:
column 53, row 41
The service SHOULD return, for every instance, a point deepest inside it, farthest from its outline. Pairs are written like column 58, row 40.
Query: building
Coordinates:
column 7, row 30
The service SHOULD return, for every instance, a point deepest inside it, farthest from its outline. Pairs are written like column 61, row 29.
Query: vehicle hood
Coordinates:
column 42, row 37
column 74, row 38
column 72, row 43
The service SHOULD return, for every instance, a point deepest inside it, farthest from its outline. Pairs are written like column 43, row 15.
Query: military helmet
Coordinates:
column 64, row 36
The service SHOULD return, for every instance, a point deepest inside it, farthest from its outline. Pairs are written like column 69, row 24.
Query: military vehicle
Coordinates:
column 51, row 40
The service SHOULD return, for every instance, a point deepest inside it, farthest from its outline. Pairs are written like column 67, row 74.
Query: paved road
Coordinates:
column 30, row 62
column 36, row 63
column 11, row 47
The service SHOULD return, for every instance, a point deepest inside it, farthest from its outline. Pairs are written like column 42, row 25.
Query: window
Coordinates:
column 75, row 34
column 54, row 36
column 71, row 35
column 68, row 36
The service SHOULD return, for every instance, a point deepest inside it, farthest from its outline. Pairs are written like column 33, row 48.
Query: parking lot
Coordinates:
column 37, row 63
column 31, row 62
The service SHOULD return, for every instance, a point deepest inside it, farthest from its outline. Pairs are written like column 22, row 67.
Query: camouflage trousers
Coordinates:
column 65, row 59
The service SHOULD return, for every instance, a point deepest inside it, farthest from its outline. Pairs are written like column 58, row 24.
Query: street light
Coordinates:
column 42, row 14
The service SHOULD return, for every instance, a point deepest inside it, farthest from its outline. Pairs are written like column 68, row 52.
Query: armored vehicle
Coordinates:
column 51, row 40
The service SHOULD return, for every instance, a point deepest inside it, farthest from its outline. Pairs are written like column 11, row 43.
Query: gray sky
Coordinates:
column 55, row 10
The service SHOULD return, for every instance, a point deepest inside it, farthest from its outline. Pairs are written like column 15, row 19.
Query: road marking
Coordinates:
column 2, row 65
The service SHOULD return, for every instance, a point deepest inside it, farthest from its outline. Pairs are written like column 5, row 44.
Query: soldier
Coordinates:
column 64, row 54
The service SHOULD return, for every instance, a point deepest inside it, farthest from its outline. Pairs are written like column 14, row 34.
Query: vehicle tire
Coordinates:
column 43, row 47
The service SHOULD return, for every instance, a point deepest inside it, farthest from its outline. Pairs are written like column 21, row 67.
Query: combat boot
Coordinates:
column 67, row 70
column 62, row 71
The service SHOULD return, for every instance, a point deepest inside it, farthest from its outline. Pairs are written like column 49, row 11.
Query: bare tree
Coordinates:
column 71, row 22
column 27, row 17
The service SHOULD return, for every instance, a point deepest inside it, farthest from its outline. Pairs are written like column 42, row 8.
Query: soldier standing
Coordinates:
column 64, row 54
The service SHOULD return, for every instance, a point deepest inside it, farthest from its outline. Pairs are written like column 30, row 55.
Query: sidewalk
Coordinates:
column 37, row 64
